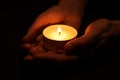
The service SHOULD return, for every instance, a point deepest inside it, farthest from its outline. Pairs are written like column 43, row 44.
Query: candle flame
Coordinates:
column 59, row 30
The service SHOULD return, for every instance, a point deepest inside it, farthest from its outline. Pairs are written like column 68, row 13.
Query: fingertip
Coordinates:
column 28, row 58
column 71, row 46
column 24, row 39
column 68, row 49
column 39, row 39
column 27, row 39
column 26, row 46
column 68, row 46
column 30, row 37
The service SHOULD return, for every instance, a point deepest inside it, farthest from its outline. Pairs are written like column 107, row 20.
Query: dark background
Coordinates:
column 17, row 16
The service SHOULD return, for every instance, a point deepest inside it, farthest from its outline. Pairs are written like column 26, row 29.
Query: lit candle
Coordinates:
column 56, row 36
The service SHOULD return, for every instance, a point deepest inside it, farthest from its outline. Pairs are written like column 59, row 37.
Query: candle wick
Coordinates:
column 59, row 32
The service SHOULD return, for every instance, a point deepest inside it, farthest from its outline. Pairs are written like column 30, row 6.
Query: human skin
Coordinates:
column 66, row 12
column 100, row 30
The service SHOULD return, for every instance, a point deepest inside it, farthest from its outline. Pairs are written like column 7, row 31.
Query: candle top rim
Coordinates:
column 70, row 31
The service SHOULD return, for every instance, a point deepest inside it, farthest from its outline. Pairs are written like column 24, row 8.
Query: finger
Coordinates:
column 55, row 56
column 76, row 44
column 37, row 49
column 28, row 58
column 26, row 46
column 39, row 39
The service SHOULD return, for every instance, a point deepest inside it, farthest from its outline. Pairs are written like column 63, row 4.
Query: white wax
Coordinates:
column 66, row 32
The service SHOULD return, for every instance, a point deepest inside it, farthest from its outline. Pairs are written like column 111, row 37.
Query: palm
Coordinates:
column 38, row 52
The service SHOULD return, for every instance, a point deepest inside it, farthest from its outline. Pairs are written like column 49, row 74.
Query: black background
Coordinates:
column 17, row 16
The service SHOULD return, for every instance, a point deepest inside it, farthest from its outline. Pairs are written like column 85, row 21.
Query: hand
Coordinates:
column 37, row 52
column 96, row 34
column 55, row 15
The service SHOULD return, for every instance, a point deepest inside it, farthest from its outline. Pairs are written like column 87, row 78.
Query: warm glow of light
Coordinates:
column 59, row 30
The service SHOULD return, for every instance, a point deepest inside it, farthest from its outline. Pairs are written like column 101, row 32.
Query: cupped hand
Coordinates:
column 37, row 52
column 96, row 34
column 55, row 15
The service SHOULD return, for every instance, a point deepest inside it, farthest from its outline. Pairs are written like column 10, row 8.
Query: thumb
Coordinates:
column 76, row 44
